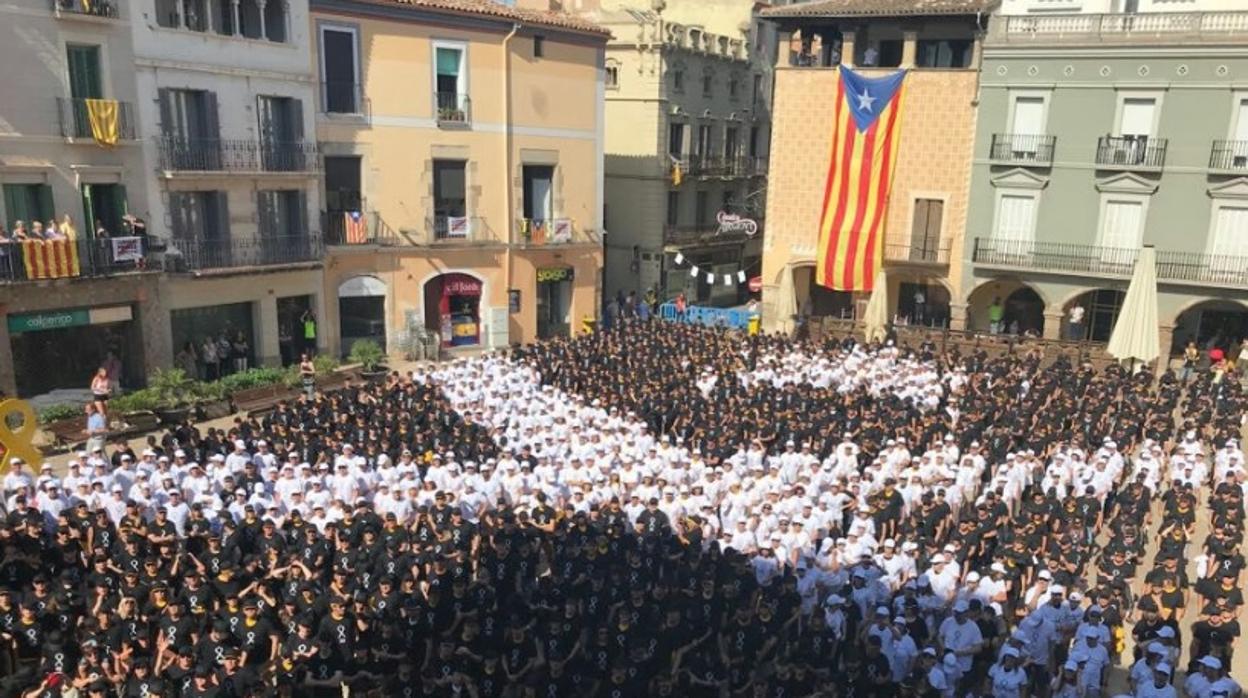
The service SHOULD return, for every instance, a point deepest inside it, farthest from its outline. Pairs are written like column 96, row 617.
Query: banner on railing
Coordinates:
column 50, row 259
column 127, row 249
column 561, row 230
column 457, row 226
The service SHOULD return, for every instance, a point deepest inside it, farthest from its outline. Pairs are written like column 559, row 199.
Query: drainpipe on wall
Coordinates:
column 508, row 193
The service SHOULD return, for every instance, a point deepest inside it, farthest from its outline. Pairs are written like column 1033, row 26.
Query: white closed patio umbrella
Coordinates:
column 786, row 301
column 1136, row 336
column 875, row 318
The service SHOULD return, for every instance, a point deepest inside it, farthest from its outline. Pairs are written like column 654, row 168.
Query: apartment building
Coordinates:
column 938, row 44
column 688, row 125
column 462, row 145
column 1102, row 128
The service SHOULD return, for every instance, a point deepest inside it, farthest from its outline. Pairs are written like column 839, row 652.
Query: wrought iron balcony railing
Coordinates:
column 1025, row 148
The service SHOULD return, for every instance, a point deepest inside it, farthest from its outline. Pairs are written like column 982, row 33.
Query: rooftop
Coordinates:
column 878, row 8
column 491, row 9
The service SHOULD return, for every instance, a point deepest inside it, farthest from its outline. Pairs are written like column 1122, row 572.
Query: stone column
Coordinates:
column 1053, row 324
column 268, row 346
column 260, row 4
column 909, row 47
column 957, row 316
column 849, row 36
column 1165, row 337
column 234, row 11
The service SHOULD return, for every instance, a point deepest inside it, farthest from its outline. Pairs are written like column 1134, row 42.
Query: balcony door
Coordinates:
column 189, row 125
column 1122, row 230
column 281, row 133
column 84, row 83
column 103, row 206
column 925, row 230
column 538, row 192
column 1239, row 137
column 339, row 71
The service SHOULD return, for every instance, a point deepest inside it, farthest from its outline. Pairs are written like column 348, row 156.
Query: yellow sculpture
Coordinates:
column 18, row 443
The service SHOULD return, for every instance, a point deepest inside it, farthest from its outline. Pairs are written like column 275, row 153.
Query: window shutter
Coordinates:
column 264, row 209
column 296, row 119
column 222, row 203
column 212, row 127
column 165, row 98
column 301, row 200
column 13, row 208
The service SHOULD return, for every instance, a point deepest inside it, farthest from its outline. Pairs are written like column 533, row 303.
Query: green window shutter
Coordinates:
column 87, row 229
column 84, row 72
column 46, row 210
column 14, row 204
column 448, row 61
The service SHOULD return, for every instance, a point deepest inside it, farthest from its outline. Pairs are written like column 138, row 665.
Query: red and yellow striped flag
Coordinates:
column 864, row 149
column 50, row 259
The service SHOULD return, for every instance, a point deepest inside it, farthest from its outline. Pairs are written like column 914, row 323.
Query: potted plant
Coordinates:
column 175, row 395
column 371, row 358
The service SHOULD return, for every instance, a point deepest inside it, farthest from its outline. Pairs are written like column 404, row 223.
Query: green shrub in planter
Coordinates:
column 173, row 388
column 325, row 364
column 368, row 354
column 144, row 400
column 56, row 413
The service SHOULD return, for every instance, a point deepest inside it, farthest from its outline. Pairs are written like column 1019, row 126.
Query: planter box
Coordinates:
column 213, row 409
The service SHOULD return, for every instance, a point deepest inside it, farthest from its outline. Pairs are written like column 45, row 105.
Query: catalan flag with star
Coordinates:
column 864, row 149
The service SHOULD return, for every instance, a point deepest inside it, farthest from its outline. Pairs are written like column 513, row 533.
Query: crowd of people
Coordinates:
column 653, row 509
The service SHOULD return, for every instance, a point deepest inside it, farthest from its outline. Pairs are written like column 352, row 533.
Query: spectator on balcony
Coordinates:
column 19, row 232
column 210, row 359
column 920, row 306
column 36, row 230
column 101, row 232
column 68, row 229
column 187, row 360
column 101, row 389
column 240, row 350
column 53, row 231
column 1074, row 323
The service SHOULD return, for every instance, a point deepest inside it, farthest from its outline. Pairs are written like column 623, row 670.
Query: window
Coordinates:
column 538, row 46
column 676, row 140
column 755, row 142
column 725, row 200
column 758, row 36
column 1122, row 228
column 339, row 71
column 704, row 140
column 734, row 86
column 190, row 130
column 223, row 12
column 613, row 77
column 702, row 210
column 450, row 83
column 195, row 15
column 1229, row 238
column 103, row 206
column 249, row 22
column 944, row 53
column 731, row 147
column 450, row 187
column 1028, row 115
column 84, row 84
column 281, row 133
column 27, row 203
column 678, row 81
column 925, row 228
column 757, row 88
column 199, row 216
column 1016, row 220
column 1136, row 116
column 342, row 183
column 282, row 213
column 707, row 82
column 673, row 208
column 275, row 21
column 538, row 192
column 167, row 14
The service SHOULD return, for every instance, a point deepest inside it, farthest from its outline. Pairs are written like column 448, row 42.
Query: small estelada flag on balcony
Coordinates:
column 356, row 228
column 864, row 149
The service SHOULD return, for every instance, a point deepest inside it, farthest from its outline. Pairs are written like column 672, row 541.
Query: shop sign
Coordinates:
column 60, row 319
column 462, row 287
column 545, row 276
column 730, row 223
column 53, row 320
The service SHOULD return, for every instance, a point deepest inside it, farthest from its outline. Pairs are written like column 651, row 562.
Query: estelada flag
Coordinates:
column 356, row 228
column 864, row 149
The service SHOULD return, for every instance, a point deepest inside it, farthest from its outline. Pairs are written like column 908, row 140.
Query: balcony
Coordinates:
column 553, row 232
column 1229, row 156
column 204, row 254
column 724, row 166
column 221, row 155
column 344, row 99
column 81, row 258
column 86, row 9
column 920, row 254
column 458, row 230
column 1131, row 152
column 371, row 230
column 76, row 119
column 1175, row 266
column 1023, row 149
column 454, row 110
column 1147, row 27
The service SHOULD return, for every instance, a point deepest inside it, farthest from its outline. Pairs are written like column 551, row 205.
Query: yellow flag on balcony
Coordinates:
column 102, row 113
column 678, row 175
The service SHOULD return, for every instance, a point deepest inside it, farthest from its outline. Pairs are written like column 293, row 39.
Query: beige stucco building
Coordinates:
column 926, row 214
column 469, row 138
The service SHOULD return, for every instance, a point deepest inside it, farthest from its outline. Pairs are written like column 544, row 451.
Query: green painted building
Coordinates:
column 1097, row 134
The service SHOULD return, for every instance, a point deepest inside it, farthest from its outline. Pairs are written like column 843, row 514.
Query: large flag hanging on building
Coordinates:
column 864, row 148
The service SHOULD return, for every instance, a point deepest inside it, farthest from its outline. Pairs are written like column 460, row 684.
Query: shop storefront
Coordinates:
column 361, row 311
column 62, row 349
column 554, row 302
column 193, row 327
column 453, row 309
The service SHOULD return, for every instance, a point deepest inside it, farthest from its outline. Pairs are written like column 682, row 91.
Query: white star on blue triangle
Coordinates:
column 869, row 97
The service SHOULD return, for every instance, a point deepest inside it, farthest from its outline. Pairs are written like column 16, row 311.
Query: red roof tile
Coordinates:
column 878, row 8
column 488, row 8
